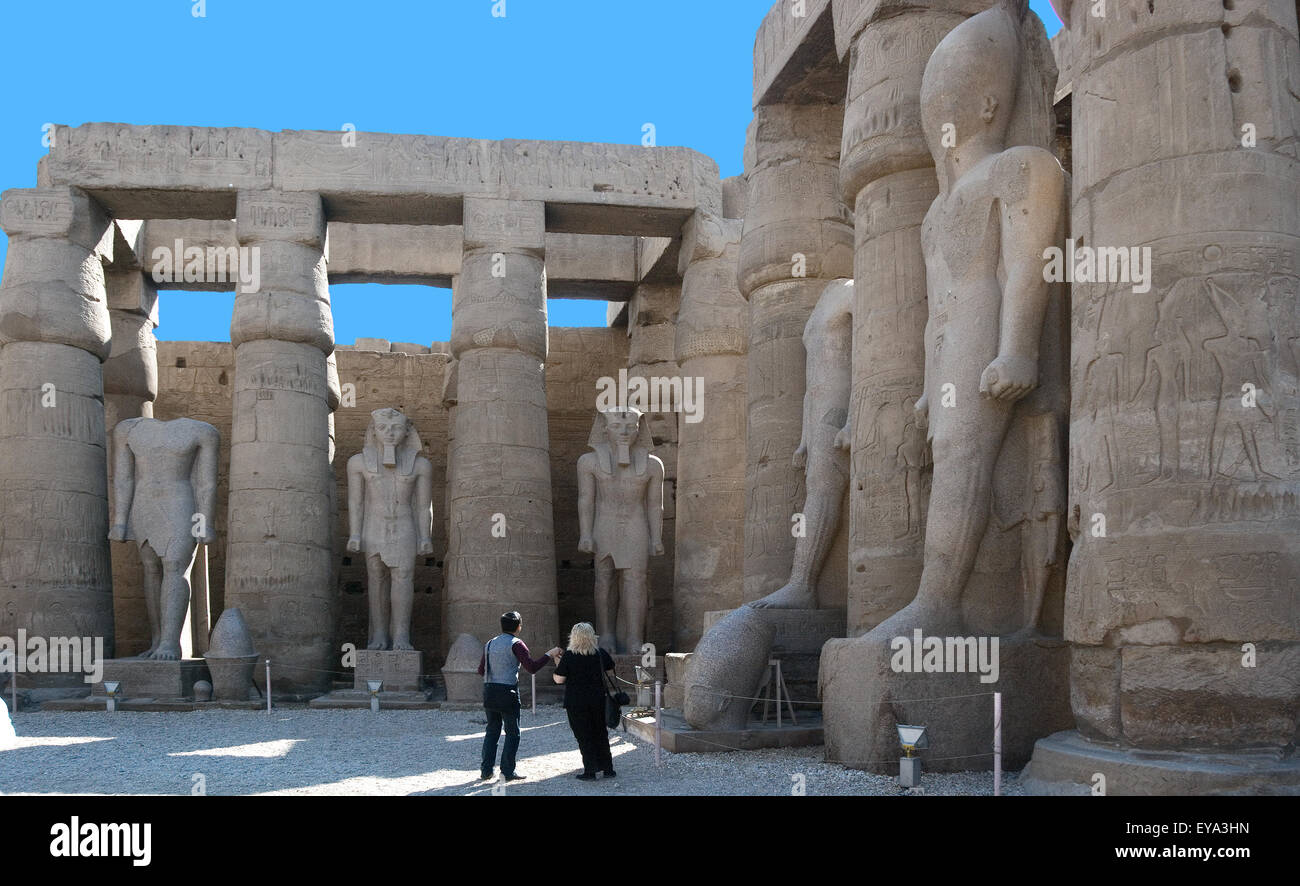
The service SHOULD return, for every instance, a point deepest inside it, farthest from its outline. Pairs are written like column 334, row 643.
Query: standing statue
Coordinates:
column 165, row 496
column 390, row 520
column 824, row 444
column 620, row 518
column 984, row 240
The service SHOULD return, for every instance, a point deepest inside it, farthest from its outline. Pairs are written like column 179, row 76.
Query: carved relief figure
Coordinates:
column 998, row 210
column 824, row 444
column 390, row 520
column 165, row 496
column 620, row 517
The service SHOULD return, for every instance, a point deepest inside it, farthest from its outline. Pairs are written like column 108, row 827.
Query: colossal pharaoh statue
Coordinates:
column 165, row 491
column 620, row 517
column 994, row 393
column 390, row 520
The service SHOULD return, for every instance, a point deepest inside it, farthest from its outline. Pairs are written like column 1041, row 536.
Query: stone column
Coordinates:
column 1184, row 582
column 55, row 573
column 499, row 460
column 887, row 178
column 797, row 237
column 711, row 340
column 130, row 386
column 652, row 314
column 279, row 549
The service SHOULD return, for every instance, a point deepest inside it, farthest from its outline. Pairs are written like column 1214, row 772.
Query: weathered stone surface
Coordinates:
column 159, row 679
column 724, row 674
column 399, row 670
column 460, row 673
column 710, row 345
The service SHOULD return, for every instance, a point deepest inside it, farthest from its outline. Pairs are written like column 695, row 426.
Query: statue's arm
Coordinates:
column 204, row 481
column 654, row 504
column 424, row 503
column 586, row 504
column 1030, row 224
column 123, row 479
column 356, row 502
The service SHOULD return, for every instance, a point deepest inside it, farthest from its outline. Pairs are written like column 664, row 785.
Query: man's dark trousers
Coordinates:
column 501, row 703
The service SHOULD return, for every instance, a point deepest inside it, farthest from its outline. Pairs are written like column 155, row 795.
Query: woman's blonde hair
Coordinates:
column 582, row 639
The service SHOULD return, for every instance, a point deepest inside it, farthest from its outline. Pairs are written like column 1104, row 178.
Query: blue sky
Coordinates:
column 570, row 70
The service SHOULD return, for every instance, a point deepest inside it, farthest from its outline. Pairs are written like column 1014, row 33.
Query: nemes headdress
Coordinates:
column 404, row 456
column 600, row 443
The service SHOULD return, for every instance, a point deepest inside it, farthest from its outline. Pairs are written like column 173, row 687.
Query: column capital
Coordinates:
column 61, row 213
column 505, row 225
column 294, row 216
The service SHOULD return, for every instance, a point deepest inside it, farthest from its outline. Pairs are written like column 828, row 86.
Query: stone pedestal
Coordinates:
column 956, row 708
column 159, row 680
column 400, row 670
column 675, row 664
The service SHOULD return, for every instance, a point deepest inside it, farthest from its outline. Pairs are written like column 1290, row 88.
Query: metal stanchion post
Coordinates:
column 997, row 744
column 534, row 676
column 778, row 693
column 268, row 685
column 658, row 718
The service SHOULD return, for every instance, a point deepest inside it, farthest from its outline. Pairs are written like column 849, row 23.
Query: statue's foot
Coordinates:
column 792, row 596
column 148, row 653
column 403, row 646
column 378, row 644
column 167, row 652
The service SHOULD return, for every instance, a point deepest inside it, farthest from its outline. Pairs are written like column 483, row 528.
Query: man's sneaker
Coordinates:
column 485, row 775
column 514, row 776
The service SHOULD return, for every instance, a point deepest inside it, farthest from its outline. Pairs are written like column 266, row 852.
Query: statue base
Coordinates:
column 142, row 678
column 675, row 664
column 677, row 737
column 1068, row 764
column 864, row 699
column 399, row 669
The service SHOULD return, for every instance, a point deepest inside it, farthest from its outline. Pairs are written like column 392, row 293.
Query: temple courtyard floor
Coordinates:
column 299, row 751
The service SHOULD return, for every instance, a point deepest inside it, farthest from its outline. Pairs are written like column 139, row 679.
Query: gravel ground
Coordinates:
column 431, row 753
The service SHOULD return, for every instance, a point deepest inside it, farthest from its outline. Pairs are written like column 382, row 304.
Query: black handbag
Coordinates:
column 614, row 701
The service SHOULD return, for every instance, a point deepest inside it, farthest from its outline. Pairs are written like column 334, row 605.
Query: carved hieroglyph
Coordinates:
column 390, row 521
column 621, row 512
column 823, row 444
column 1185, row 455
column 165, row 496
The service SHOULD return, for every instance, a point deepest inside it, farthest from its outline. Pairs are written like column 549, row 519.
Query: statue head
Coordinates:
column 621, row 431
column 968, row 93
column 391, row 434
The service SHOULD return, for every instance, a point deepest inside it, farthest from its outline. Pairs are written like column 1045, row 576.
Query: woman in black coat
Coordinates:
column 582, row 670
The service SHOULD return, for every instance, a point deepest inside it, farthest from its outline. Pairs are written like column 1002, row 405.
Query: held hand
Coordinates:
column 922, row 408
column 800, row 456
column 426, row 546
column 658, row 548
column 117, row 533
column 354, row 543
column 585, row 545
column 844, row 439
column 1009, row 378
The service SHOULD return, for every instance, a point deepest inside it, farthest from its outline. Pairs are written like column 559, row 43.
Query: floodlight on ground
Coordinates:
column 912, row 738
column 111, row 687
column 375, row 686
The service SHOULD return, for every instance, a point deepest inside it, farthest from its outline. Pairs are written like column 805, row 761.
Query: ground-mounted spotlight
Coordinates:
column 112, row 687
column 912, row 739
column 645, row 687
column 375, row 686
